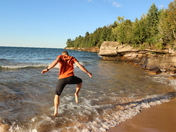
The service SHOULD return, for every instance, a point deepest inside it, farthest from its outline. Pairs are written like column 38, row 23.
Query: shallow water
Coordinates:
column 116, row 92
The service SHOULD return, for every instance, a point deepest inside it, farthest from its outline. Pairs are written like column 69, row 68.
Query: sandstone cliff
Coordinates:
column 153, row 60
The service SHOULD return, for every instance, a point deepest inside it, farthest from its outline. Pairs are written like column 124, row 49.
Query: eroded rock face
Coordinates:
column 164, row 61
column 109, row 48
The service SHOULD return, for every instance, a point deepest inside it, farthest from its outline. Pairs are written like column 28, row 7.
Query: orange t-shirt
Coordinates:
column 66, row 66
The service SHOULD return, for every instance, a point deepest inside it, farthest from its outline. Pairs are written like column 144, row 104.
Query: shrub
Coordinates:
column 159, row 45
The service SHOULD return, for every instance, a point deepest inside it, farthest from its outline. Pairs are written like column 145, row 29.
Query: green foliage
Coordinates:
column 171, row 18
column 92, row 39
column 153, row 52
column 139, row 31
column 146, row 44
column 159, row 45
column 142, row 47
column 70, row 43
column 173, row 45
column 152, row 20
column 135, row 45
column 154, row 28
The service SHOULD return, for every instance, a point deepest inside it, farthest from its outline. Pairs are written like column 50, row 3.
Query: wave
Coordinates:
column 4, row 60
column 23, row 66
column 91, row 118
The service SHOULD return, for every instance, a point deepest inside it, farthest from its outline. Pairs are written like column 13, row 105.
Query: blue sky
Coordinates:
column 49, row 23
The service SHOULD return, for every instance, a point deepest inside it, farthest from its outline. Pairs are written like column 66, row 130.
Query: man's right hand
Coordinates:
column 44, row 71
column 90, row 74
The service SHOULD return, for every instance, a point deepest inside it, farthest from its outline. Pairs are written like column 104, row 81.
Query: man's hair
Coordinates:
column 65, row 53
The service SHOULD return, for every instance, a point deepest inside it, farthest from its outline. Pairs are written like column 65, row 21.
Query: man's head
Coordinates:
column 65, row 53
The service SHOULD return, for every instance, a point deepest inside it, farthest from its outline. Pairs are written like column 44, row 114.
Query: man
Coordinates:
column 66, row 76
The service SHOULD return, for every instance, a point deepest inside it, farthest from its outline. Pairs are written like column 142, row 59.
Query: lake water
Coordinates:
column 116, row 92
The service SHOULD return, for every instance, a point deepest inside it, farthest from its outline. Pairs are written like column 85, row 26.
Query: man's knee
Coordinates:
column 58, row 93
column 79, row 84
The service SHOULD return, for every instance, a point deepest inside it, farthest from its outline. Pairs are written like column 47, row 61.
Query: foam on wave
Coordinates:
column 90, row 118
column 23, row 66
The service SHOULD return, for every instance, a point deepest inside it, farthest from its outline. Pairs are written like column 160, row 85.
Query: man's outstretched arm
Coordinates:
column 83, row 69
column 53, row 64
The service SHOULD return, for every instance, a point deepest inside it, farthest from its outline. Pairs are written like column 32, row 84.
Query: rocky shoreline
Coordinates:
column 156, row 61
column 90, row 49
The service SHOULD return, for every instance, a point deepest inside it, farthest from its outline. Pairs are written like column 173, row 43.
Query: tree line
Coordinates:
column 155, row 28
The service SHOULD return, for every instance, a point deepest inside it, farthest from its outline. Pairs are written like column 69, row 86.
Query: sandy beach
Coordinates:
column 159, row 118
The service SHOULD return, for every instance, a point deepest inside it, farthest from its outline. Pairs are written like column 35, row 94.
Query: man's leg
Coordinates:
column 59, row 88
column 56, row 104
column 78, row 88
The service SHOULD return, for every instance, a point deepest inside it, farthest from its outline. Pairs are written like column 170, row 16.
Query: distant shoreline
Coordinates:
column 91, row 49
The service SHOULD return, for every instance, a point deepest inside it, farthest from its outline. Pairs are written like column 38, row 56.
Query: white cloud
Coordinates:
column 110, row 1
column 116, row 4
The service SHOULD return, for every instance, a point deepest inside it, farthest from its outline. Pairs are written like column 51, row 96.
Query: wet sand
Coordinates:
column 159, row 118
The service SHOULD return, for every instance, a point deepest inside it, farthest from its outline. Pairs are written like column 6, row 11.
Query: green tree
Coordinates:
column 69, row 43
column 172, row 18
column 154, row 28
column 86, row 39
column 123, row 30
column 152, row 20
column 128, row 27
column 104, row 35
column 118, row 31
column 163, row 27
column 139, row 31
column 78, row 42
column 114, row 31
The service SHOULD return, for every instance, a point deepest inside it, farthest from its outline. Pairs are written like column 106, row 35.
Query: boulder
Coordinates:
column 173, row 77
column 162, row 61
column 110, row 48
column 133, row 57
column 155, row 70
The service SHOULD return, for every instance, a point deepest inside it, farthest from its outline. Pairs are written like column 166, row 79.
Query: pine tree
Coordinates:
column 152, row 24
column 139, row 31
column 172, row 18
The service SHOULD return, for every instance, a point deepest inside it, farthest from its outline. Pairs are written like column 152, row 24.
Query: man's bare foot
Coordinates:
column 55, row 113
column 76, row 98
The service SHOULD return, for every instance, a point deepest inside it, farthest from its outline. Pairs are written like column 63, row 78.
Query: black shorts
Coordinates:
column 63, row 82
